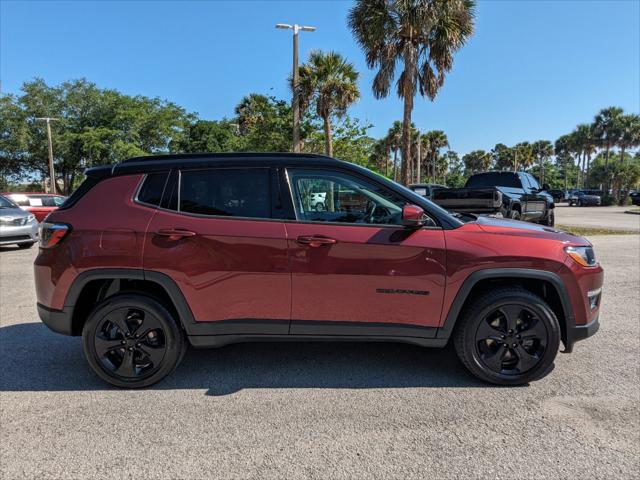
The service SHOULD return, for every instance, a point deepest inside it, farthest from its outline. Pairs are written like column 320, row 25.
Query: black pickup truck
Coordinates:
column 515, row 195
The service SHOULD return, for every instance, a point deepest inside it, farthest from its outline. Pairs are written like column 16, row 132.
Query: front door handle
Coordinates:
column 316, row 240
column 175, row 233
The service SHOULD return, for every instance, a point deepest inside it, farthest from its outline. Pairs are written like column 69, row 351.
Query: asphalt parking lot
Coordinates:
column 321, row 410
column 612, row 218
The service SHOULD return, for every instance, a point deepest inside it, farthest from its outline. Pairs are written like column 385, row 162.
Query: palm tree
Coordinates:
column 477, row 161
column 606, row 130
column 433, row 142
column 330, row 81
column 422, row 35
column 394, row 140
column 542, row 150
column 380, row 156
column 562, row 150
column 581, row 143
column 629, row 133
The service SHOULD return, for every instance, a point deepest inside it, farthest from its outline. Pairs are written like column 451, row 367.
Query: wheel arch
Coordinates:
column 95, row 285
column 546, row 284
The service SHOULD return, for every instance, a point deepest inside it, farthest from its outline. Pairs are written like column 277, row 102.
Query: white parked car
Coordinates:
column 318, row 201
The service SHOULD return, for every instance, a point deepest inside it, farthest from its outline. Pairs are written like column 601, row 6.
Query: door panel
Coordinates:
column 388, row 276
column 228, row 270
column 233, row 272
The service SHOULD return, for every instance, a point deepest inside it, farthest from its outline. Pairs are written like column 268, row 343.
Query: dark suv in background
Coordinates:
column 156, row 253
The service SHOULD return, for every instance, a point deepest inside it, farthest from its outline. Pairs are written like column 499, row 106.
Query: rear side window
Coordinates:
column 152, row 188
column 227, row 192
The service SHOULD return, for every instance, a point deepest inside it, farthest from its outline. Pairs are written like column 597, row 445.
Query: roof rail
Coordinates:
column 195, row 156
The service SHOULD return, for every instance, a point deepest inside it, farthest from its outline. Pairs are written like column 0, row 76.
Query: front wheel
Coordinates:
column 550, row 219
column 514, row 215
column 509, row 336
column 131, row 340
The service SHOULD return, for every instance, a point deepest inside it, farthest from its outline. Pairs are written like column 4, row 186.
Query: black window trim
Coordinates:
column 295, row 219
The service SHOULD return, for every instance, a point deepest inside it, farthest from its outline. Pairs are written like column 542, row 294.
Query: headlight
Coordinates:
column 31, row 218
column 582, row 255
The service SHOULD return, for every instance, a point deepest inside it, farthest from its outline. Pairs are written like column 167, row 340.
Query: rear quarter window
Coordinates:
column 152, row 188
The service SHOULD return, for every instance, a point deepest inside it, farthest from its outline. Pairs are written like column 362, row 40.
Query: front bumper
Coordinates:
column 580, row 332
column 11, row 235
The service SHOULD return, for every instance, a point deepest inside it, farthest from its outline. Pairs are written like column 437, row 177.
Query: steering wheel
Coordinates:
column 368, row 217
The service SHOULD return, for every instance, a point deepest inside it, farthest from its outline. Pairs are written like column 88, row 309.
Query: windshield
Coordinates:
column 494, row 179
column 6, row 203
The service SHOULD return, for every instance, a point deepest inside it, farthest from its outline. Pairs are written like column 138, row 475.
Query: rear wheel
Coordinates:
column 132, row 341
column 508, row 337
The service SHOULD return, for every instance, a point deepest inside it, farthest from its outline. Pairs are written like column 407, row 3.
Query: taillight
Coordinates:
column 51, row 234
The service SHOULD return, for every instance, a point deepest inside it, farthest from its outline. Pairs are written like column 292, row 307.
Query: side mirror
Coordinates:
column 413, row 216
column 546, row 187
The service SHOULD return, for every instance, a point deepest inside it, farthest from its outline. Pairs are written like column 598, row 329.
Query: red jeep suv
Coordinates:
column 156, row 253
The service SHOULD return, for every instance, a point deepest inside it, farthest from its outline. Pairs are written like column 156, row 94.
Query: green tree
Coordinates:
column 394, row 140
column 265, row 124
column 432, row 142
column 422, row 35
column 455, row 176
column 629, row 133
column 94, row 126
column 350, row 141
column 606, row 131
column 503, row 157
column 207, row 136
column 476, row 161
column 330, row 82
column 542, row 151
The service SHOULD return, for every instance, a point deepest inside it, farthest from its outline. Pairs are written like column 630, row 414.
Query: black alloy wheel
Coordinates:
column 511, row 340
column 130, row 343
column 508, row 336
column 131, row 340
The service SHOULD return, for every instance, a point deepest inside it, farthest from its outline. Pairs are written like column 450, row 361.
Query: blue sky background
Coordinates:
column 533, row 70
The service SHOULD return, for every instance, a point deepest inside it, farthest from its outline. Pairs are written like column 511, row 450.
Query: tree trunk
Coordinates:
column 395, row 164
column 406, row 139
column 407, row 93
column 328, row 140
column 588, row 160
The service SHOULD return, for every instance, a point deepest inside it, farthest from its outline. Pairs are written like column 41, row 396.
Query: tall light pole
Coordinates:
column 51, row 172
column 295, row 105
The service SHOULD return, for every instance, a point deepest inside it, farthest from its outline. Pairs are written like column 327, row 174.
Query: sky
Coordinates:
column 532, row 70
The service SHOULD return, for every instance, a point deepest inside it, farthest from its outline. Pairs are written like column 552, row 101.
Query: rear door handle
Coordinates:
column 175, row 233
column 316, row 240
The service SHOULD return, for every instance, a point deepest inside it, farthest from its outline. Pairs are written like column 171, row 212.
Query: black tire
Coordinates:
column 550, row 219
column 24, row 246
column 507, row 358
column 579, row 203
column 514, row 214
column 150, row 349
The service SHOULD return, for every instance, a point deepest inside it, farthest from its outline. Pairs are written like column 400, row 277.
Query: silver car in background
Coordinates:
column 17, row 227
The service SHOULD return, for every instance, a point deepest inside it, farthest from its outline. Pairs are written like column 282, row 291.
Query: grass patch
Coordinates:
column 588, row 231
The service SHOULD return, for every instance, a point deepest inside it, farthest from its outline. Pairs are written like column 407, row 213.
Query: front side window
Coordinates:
column 228, row 192
column 326, row 196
